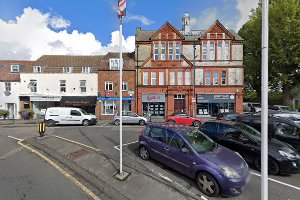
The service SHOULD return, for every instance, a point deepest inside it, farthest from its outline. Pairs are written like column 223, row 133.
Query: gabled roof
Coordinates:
column 217, row 24
column 6, row 75
column 167, row 25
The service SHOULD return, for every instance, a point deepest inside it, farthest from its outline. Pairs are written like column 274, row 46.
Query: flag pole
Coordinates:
column 264, row 100
column 121, row 98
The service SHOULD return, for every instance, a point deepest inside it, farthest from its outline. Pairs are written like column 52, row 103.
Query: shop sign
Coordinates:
column 216, row 98
column 153, row 98
column 78, row 101
column 115, row 99
column 45, row 98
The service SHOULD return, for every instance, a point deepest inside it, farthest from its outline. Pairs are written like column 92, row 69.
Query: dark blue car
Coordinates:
column 216, row 169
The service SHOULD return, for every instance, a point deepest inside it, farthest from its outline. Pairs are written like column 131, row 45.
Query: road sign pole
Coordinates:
column 264, row 100
column 121, row 109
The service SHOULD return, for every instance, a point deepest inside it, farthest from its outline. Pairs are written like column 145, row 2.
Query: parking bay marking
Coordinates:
column 279, row 182
column 118, row 146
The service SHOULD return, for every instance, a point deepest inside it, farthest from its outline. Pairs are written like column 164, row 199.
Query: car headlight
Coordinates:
column 288, row 155
column 229, row 172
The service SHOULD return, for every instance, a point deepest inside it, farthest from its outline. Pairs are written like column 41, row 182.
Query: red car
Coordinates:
column 183, row 118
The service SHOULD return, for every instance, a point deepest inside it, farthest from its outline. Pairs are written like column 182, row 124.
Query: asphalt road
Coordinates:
column 23, row 175
column 106, row 138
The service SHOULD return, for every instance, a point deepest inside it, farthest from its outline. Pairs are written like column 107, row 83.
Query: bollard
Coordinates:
column 42, row 128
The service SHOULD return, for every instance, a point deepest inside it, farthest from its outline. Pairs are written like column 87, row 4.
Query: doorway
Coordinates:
column 179, row 103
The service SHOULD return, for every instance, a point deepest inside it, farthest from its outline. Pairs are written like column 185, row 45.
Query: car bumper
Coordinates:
column 290, row 167
column 93, row 121
column 235, row 187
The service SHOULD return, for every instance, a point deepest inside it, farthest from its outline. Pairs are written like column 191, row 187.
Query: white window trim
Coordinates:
column 226, row 51
column 17, row 67
column 106, row 86
column 86, row 70
column 153, row 78
column 178, row 46
column 206, row 45
column 161, row 78
column 7, row 85
column 214, row 80
column 60, row 86
column 187, row 81
column 104, row 105
column 225, row 78
column 172, row 79
column 155, row 46
column 205, row 77
column 69, row 71
column 163, row 55
column 145, row 79
column 37, row 69
column 212, row 54
column 125, row 83
column 113, row 62
column 31, row 85
column 171, row 54
column 179, row 78
column 81, row 87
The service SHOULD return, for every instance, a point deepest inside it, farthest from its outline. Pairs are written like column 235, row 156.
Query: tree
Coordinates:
column 284, row 47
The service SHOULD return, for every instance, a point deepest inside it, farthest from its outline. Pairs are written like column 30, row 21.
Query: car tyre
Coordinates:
column 142, row 122
column 85, row 122
column 144, row 153
column 196, row 123
column 50, row 123
column 171, row 121
column 207, row 184
column 117, row 122
column 273, row 167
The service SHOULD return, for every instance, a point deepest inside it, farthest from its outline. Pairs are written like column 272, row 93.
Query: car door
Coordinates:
column 179, row 160
column 157, row 143
column 74, row 117
column 132, row 118
column 125, row 118
column 289, row 133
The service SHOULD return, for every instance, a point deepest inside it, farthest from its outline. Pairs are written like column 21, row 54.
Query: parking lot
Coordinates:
column 106, row 138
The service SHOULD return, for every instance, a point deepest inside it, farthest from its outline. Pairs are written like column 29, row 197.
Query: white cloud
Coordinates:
column 205, row 20
column 29, row 37
column 145, row 21
column 58, row 22
column 244, row 7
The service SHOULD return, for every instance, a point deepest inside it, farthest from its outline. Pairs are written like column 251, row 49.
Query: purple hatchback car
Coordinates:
column 216, row 169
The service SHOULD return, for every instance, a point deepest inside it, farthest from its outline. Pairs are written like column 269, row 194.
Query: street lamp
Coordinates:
column 194, row 82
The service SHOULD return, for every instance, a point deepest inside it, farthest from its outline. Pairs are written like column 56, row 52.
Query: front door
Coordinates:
column 157, row 143
column 74, row 117
column 11, row 110
column 179, row 103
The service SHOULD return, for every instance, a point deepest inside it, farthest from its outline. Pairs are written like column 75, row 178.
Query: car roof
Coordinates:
column 222, row 122
column 180, row 129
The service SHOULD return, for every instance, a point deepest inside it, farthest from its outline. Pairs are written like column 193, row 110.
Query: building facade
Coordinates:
column 200, row 72
column 53, row 81
column 10, row 85
column 109, row 85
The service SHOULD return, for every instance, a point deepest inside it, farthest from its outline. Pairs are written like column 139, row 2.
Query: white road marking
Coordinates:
column 15, row 138
column 276, row 181
column 104, row 124
column 118, row 146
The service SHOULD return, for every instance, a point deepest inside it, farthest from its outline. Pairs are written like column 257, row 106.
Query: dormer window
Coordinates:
column 67, row 70
column 86, row 70
column 15, row 68
column 37, row 69
column 114, row 64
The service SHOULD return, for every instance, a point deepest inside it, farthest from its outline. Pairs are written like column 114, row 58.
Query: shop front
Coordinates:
column 212, row 104
column 154, row 105
column 43, row 102
column 87, row 103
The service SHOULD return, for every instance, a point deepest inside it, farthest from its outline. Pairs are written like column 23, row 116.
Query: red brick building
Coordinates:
column 199, row 71
column 109, row 85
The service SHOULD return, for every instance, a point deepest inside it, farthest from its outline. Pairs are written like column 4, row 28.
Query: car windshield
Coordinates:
column 83, row 112
column 254, row 134
column 200, row 142
column 285, row 108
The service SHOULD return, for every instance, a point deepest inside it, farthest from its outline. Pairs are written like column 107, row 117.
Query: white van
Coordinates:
column 68, row 115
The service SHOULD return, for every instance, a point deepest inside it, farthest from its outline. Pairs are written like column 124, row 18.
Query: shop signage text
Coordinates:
column 153, row 98
column 215, row 98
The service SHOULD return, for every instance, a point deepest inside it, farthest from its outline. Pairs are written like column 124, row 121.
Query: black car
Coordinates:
column 246, row 141
column 282, row 129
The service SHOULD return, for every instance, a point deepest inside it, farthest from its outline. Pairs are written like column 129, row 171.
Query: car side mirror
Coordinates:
column 185, row 150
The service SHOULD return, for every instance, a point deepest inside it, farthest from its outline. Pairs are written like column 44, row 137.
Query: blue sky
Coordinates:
column 88, row 20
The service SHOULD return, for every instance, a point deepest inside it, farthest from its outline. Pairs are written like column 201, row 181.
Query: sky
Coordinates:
column 32, row 28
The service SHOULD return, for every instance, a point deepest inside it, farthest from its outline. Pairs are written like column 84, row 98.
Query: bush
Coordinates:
column 4, row 113
column 26, row 114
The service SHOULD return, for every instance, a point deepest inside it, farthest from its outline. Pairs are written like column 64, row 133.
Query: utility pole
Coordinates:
column 194, row 82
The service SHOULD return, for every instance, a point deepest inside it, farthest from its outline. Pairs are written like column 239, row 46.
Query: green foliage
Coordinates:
column 26, row 114
column 284, row 47
column 4, row 113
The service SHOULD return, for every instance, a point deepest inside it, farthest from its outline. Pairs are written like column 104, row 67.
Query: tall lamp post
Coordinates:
column 194, row 82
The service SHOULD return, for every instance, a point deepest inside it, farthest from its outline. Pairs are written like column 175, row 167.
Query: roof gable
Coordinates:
column 166, row 30
column 217, row 27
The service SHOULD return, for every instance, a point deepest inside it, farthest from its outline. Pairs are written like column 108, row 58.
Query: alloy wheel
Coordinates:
column 207, row 184
column 144, row 153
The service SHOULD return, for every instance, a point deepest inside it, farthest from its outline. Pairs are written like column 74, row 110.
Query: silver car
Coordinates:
column 129, row 117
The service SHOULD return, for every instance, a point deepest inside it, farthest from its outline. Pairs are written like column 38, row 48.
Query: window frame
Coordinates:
column 179, row 78
column 153, row 78
column 163, row 53
column 37, row 69
column 114, row 64
column 216, row 78
column 161, row 78
column 187, row 79
column 155, row 48
column 7, row 86
column 146, row 80
column 67, row 70
column 33, row 87
column 110, row 103
column 207, row 77
column 170, row 51
column 82, row 87
column 86, row 70
column 177, row 53
column 223, row 78
column 107, row 85
column 13, row 67
column 227, row 51
column 62, row 85
column 124, row 86
column 212, row 51
column 172, row 81
column 204, row 51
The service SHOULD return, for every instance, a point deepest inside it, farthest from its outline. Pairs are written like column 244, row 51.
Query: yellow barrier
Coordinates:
column 42, row 128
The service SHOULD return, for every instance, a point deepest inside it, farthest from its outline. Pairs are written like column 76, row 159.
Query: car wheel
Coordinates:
column 171, row 121
column 273, row 167
column 142, row 122
column 85, row 122
column 207, row 184
column 117, row 122
column 144, row 153
column 196, row 123
column 50, row 123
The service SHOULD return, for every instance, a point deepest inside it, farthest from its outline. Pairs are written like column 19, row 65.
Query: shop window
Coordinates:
column 62, row 85
column 171, row 51
column 15, row 68
column 109, row 86
column 33, row 85
column 82, row 85
column 163, row 52
column 207, row 78
column 161, row 78
column 187, row 78
column 145, row 78
column 155, row 52
column 224, row 77
column 109, row 107
column 153, row 78
column 26, row 105
column 177, row 56
column 114, row 64
column 124, row 86
column 172, row 78
column 7, row 86
column 179, row 78
column 216, row 78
